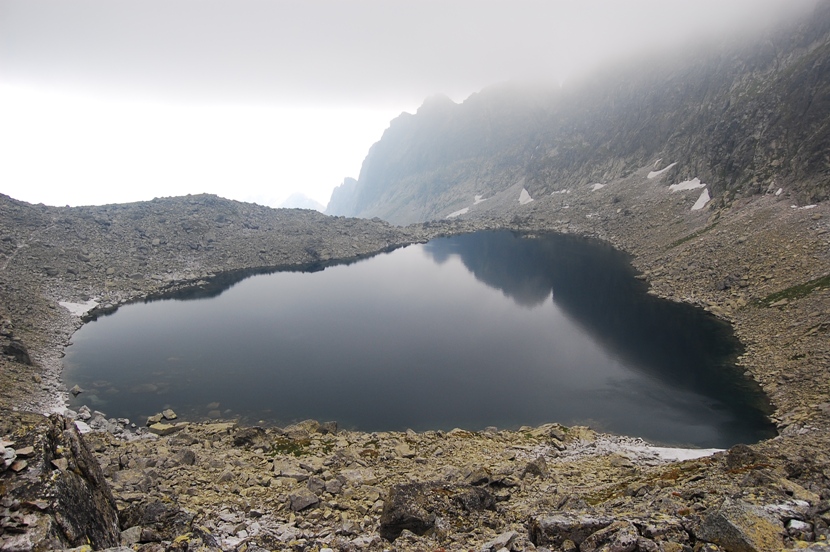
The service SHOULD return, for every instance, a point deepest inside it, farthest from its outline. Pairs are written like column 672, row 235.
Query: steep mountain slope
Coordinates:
column 746, row 116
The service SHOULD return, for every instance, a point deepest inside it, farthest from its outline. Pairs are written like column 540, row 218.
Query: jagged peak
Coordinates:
column 435, row 103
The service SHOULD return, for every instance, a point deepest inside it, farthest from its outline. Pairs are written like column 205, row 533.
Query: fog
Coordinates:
column 104, row 101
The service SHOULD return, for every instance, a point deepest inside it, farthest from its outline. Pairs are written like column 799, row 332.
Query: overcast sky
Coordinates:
column 118, row 100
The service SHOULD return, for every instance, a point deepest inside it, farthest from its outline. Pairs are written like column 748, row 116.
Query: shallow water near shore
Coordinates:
column 484, row 329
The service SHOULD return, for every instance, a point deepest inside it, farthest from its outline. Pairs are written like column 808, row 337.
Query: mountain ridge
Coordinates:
column 746, row 116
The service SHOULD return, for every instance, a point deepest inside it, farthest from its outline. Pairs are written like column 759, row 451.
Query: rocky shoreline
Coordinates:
column 760, row 263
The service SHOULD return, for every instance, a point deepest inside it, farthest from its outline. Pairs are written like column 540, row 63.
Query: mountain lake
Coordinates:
column 476, row 330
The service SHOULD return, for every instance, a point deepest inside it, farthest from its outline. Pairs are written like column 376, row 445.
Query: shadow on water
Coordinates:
column 595, row 285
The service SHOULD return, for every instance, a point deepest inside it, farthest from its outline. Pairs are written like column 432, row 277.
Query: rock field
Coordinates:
column 762, row 263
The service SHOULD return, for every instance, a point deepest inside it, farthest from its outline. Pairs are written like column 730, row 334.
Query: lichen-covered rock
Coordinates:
column 555, row 530
column 417, row 507
column 60, row 499
column 251, row 437
column 741, row 527
column 158, row 520
column 620, row 536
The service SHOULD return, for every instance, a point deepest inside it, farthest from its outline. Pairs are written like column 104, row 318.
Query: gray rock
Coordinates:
column 334, row 486
column 620, row 536
column 416, row 506
column 186, row 457
column 741, row 527
column 537, row 467
column 251, row 437
column 131, row 536
column 328, row 428
column 169, row 414
column 302, row 499
column 502, row 541
column 403, row 451
column 555, row 530
column 316, row 485
column 158, row 520
column 80, row 508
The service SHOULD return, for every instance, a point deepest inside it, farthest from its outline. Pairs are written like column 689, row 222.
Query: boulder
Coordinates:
column 537, row 467
column 158, row 520
column 620, row 536
column 553, row 531
column 502, row 541
column 60, row 498
column 18, row 351
column 164, row 429
column 741, row 527
column 185, row 457
column 417, row 507
column 251, row 437
column 302, row 499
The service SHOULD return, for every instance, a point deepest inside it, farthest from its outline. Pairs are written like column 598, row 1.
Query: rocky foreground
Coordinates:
column 761, row 263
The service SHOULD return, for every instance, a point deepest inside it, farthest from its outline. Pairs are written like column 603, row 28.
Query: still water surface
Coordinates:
column 485, row 329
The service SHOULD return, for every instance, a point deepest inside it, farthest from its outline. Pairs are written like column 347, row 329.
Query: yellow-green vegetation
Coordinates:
column 284, row 445
column 795, row 292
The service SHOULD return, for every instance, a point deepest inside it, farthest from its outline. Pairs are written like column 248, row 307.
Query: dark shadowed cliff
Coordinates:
column 747, row 115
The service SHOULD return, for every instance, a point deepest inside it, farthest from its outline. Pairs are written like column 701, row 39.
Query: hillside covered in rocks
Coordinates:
column 761, row 263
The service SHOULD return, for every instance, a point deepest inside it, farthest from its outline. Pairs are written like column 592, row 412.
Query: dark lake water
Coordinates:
column 485, row 329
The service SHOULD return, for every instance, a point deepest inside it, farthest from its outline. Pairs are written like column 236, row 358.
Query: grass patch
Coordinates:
column 285, row 446
column 691, row 236
column 796, row 292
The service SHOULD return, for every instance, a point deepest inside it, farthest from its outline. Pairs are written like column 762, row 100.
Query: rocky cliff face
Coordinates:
column 746, row 116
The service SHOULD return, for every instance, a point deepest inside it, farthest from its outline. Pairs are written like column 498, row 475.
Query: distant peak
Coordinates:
column 436, row 102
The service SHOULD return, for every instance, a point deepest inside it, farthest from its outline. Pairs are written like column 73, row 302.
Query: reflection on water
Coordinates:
column 469, row 331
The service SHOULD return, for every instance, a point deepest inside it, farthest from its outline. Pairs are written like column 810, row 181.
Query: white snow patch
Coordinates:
column 692, row 184
column 565, row 191
column 638, row 450
column 671, row 454
column 463, row 211
column 655, row 174
column 702, row 200
column 78, row 309
column 805, row 207
column 778, row 193
column 524, row 197
column 478, row 199
column 597, row 186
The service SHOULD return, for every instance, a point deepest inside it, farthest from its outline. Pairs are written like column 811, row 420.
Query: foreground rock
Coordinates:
column 432, row 507
column 56, row 495
column 218, row 486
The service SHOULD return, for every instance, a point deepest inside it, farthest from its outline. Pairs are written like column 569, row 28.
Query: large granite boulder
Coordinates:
column 421, row 507
column 740, row 527
column 54, row 493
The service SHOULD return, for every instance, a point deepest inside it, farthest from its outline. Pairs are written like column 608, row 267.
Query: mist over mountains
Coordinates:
column 746, row 115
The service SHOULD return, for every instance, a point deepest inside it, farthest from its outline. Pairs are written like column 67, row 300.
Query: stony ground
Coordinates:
column 760, row 263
